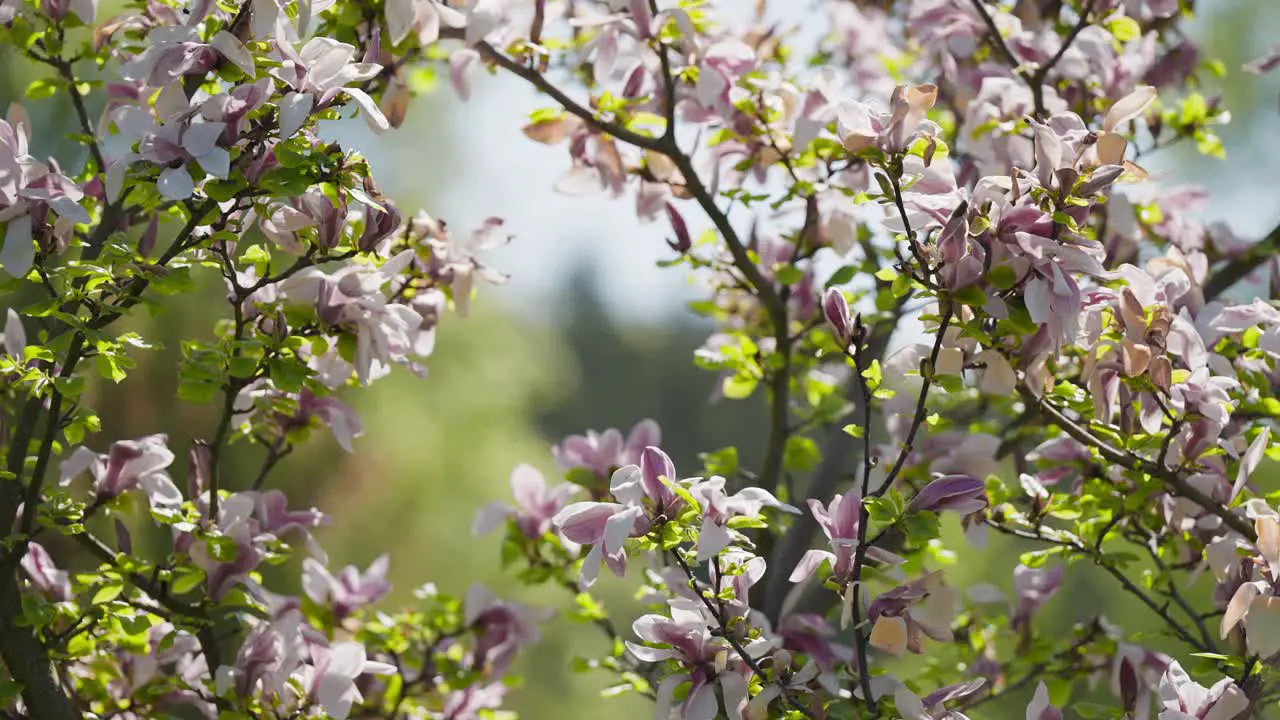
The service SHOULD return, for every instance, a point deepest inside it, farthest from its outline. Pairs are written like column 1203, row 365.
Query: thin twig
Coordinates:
column 1178, row 484
column 733, row 641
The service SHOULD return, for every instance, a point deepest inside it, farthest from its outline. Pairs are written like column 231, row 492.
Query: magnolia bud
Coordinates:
column 683, row 240
column 964, row 494
column 836, row 310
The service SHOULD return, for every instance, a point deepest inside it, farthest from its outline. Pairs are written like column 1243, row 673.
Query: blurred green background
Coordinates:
column 532, row 365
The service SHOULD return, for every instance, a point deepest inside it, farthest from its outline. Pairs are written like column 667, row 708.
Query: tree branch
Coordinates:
column 1248, row 261
column 1178, row 484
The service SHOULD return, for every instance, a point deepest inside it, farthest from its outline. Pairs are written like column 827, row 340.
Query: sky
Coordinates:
column 466, row 161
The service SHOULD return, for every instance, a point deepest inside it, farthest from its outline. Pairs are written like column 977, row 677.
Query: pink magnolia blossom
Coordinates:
column 537, row 505
column 46, row 576
column 317, row 73
column 1182, row 698
column 127, row 465
column 350, row 590
column 502, row 628
column 605, row 452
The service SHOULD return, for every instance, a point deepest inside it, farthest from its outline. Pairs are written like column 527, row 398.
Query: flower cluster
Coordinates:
column 1081, row 383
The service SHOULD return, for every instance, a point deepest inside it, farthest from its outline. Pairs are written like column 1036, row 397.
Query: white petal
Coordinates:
column 1128, row 107
column 1262, row 626
column 400, row 16
column 643, row 653
column 712, row 539
column 176, row 183
column 200, row 138
column 233, row 50
column 703, row 705
column 909, row 706
column 294, row 109
column 372, row 113
column 15, row 336
column 69, row 209
column 1249, row 461
column 18, row 253
column 216, row 162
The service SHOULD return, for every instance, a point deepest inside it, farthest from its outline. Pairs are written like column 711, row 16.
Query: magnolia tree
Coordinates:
column 956, row 179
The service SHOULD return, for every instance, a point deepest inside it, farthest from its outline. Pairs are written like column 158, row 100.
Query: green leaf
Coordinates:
column 874, row 375
column 1002, row 277
column 109, row 367
column 722, row 462
column 739, row 386
column 841, row 276
column 107, row 593
column 1124, row 28
column 186, row 582
column 42, row 88
column 901, row 286
column 789, row 274
column 801, row 454
column 971, row 295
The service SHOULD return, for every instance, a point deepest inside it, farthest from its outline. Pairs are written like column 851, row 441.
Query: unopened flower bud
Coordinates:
column 836, row 310
column 964, row 494
column 683, row 240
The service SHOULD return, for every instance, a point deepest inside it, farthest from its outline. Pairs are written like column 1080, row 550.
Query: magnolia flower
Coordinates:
column 468, row 702
column 423, row 17
column 933, row 705
column 903, row 616
column 352, row 297
column 342, row 421
column 174, row 51
column 231, row 108
column 174, row 145
column 839, row 520
column 1256, row 604
column 272, row 652
column 44, row 574
column 348, row 592
column 129, row 464
column 861, row 127
column 812, row 635
column 455, row 260
column 28, row 188
column 607, row 525
column 603, row 453
column 331, row 679
column 1110, row 145
column 718, row 508
column 685, row 636
column 1033, row 587
column 311, row 209
column 537, row 505
column 318, row 73
column 176, row 651
column 502, row 628
column 85, row 10
column 1182, row 698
